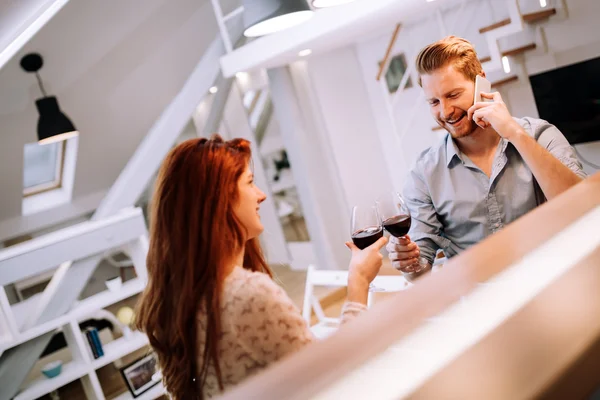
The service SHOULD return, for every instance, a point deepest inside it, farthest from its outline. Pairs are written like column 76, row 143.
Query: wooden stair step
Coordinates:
column 497, row 25
column 539, row 15
column 519, row 50
column 528, row 18
column 512, row 52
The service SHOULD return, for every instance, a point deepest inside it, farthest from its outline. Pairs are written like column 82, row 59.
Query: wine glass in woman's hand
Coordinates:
column 365, row 226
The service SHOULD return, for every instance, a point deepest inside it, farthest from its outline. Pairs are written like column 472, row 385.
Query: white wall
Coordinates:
column 350, row 125
column 570, row 39
column 332, row 204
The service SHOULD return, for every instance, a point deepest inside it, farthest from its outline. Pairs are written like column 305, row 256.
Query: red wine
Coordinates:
column 363, row 238
column 397, row 226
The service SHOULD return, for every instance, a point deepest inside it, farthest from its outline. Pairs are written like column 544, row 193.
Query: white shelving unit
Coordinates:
column 125, row 231
column 83, row 364
column 79, row 311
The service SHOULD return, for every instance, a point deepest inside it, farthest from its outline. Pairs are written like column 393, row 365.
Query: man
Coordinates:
column 488, row 171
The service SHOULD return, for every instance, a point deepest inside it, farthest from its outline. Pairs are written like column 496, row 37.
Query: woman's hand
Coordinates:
column 364, row 267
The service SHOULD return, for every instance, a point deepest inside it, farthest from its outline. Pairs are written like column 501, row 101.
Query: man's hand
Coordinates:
column 403, row 253
column 496, row 115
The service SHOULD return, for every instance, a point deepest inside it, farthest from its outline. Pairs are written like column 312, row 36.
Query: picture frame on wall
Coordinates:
column 141, row 375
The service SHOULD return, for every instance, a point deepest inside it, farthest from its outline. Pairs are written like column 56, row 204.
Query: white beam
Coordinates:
column 307, row 169
column 236, row 119
column 143, row 164
column 215, row 115
column 27, row 28
column 76, row 242
column 234, row 13
column 221, row 23
column 329, row 28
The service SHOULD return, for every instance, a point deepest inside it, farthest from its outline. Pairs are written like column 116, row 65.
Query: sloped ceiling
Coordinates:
column 114, row 65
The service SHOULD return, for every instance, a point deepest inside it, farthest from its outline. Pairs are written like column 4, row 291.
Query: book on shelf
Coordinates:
column 93, row 339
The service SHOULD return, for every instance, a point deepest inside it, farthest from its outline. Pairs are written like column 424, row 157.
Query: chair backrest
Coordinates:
column 315, row 277
column 336, row 278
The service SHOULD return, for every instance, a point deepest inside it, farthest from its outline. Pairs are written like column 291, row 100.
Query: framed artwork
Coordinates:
column 141, row 374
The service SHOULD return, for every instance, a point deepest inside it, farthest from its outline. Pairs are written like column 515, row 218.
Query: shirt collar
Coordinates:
column 452, row 151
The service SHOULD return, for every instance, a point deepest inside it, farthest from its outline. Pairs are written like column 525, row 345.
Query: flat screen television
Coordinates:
column 569, row 97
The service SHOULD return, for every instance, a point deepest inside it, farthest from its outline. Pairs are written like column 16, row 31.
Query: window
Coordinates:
column 43, row 167
column 48, row 175
column 395, row 73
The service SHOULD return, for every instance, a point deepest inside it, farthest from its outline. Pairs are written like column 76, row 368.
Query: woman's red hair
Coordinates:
column 193, row 234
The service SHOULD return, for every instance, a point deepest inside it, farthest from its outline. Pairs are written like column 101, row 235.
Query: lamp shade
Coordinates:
column 262, row 17
column 53, row 125
column 329, row 3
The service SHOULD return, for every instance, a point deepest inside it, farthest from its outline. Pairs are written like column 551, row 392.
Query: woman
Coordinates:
column 211, row 310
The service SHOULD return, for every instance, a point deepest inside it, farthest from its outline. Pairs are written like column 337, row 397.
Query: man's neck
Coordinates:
column 480, row 143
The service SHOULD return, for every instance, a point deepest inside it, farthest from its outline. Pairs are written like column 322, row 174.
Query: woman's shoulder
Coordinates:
column 245, row 276
column 244, row 282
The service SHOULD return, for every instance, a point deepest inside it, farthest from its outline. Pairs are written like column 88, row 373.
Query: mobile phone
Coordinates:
column 481, row 85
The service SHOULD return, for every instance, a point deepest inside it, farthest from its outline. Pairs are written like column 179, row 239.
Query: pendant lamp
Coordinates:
column 53, row 124
column 263, row 17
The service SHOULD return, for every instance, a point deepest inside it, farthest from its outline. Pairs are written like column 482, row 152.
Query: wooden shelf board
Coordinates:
column 70, row 372
column 119, row 348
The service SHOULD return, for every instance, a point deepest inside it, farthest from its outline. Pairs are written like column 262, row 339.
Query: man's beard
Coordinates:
column 465, row 131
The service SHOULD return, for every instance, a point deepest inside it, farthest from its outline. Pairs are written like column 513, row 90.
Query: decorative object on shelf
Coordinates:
column 263, row 17
column 119, row 260
column 53, row 124
column 141, row 374
column 125, row 315
column 114, row 284
column 93, row 339
column 52, row 369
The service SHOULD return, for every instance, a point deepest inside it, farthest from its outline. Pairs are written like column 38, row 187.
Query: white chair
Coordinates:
column 334, row 278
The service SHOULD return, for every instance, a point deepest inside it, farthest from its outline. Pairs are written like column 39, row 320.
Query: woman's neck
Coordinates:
column 237, row 259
